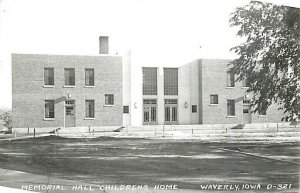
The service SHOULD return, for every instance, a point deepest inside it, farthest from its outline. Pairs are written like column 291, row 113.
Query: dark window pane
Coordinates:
column 70, row 76
column 49, row 108
column 230, row 108
column 194, row 108
column 125, row 109
column 230, row 79
column 89, row 77
column 109, row 99
column 149, row 81
column 171, row 81
column 89, row 109
column 49, row 76
column 214, row 99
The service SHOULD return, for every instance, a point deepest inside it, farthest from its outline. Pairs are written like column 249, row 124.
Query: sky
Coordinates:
column 162, row 32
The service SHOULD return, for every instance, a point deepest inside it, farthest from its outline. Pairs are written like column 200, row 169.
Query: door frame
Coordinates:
column 149, row 108
column 69, row 105
column 171, row 113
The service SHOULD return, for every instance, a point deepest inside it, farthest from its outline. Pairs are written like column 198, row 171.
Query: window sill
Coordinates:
column 108, row 105
column 230, row 87
column 89, row 118
column 230, row 116
column 245, row 87
column 69, row 86
column 89, row 86
column 48, row 86
column 262, row 115
column 213, row 104
column 49, row 119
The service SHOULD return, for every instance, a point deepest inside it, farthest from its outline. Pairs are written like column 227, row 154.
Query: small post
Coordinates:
column 164, row 130
column 192, row 131
column 226, row 130
column 27, row 130
column 33, row 132
column 277, row 127
column 89, row 129
column 93, row 131
column 155, row 132
column 15, row 134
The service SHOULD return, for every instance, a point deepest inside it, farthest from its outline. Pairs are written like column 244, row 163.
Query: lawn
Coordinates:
column 188, row 164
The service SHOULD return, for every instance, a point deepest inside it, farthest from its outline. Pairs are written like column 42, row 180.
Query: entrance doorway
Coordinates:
column 70, row 113
column 171, row 111
column 247, row 118
column 150, row 112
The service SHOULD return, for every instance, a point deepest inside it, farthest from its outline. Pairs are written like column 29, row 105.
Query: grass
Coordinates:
column 138, row 161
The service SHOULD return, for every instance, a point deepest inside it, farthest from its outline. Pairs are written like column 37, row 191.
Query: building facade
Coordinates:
column 50, row 91
column 198, row 92
column 66, row 90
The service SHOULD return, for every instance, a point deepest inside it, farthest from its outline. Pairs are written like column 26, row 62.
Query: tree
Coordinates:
column 7, row 119
column 269, row 57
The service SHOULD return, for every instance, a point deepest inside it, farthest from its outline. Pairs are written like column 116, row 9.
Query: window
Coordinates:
column 246, row 110
column 230, row 108
column 109, row 99
column 49, row 109
column 49, row 76
column 171, row 81
column 246, row 101
column 245, row 83
column 89, row 77
column 149, row 81
column 214, row 99
column 194, row 108
column 89, row 109
column 230, row 79
column 70, row 76
column 103, row 40
column 125, row 109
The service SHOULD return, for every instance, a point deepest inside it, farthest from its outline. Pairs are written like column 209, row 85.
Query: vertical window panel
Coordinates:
column 89, row 77
column 70, row 76
column 230, row 108
column 48, row 76
column 230, row 79
column 149, row 81
column 89, row 109
column 171, row 81
column 49, row 108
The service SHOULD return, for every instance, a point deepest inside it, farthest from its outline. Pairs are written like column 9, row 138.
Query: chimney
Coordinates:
column 103, row 44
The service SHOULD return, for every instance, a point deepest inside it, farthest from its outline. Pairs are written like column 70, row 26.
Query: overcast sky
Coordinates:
column 159, row 28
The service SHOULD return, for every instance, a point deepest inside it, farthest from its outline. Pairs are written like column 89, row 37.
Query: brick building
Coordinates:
column 66, row 90
column 199, row 92
column 51, row 91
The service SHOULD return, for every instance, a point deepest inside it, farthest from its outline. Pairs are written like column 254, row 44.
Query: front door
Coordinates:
column 247, row 118
column 70, row 113
column 171, row 112
column 150, row 112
